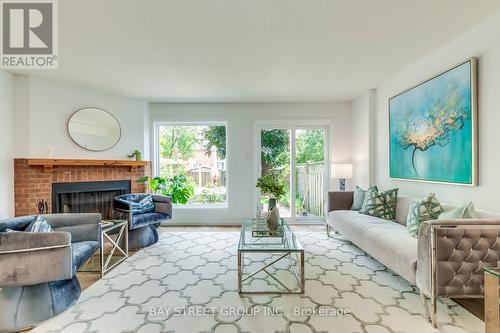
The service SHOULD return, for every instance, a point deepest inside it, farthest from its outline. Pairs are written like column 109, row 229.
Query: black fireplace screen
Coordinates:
column 87, row 197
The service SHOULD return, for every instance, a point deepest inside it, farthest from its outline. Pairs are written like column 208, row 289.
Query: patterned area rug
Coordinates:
column 187, row 282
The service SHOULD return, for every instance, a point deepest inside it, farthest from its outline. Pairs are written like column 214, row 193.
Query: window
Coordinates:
column 199, row 153
column 296, row 157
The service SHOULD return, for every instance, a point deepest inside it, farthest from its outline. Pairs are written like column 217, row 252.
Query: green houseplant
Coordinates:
column 136, row 154
column 269, row 185
column 177, row 187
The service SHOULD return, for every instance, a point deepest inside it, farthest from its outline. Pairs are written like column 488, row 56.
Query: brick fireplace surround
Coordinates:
column 33, row 178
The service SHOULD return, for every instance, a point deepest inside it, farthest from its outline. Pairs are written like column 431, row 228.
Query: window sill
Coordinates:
column 201, row 206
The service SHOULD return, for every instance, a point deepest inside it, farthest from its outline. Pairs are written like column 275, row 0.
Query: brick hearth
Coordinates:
column 33, row 183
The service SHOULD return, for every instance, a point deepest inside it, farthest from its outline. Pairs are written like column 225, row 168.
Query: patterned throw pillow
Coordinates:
column 380, row 204
column 420, row 211
column 373, row 204
column 146, row 205
column 39, row 225
column 390, row 201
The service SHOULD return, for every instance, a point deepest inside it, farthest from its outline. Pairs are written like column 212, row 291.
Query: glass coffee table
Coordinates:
column 270, row 263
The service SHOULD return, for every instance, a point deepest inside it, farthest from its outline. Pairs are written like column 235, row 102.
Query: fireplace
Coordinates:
column 88, row 197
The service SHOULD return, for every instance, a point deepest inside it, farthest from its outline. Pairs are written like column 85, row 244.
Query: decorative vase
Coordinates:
column 273, row 219
column 271, row 203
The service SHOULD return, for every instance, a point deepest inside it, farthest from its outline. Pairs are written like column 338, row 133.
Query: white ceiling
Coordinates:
column 251, row 50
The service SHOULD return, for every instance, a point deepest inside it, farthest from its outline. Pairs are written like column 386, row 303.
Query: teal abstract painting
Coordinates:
column 432, row 129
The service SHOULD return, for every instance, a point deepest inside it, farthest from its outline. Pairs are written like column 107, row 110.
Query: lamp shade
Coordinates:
column 342, row 171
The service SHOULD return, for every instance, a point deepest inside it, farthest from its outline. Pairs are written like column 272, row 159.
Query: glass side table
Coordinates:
column 491, row 295
column 120, row 244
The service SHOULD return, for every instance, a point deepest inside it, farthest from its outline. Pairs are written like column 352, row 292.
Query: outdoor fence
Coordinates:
column 310, row 188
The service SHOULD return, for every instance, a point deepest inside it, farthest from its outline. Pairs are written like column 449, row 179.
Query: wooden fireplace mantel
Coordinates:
column 48, row 164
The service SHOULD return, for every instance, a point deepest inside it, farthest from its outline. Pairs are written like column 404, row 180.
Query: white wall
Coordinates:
column 240, row 139
column 482, row 42
column 44, row 107
column 7, row 138
column 362, row 140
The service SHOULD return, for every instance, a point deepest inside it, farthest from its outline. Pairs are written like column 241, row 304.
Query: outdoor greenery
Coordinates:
column 180, row 148
column 176, row 142
column 178, row 187
column 272, row 186
column 275, row 150
column 216, row 136
column 310, row 146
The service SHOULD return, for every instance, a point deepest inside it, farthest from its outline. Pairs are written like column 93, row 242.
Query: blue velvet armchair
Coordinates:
column 142, row 226
column 37, row 269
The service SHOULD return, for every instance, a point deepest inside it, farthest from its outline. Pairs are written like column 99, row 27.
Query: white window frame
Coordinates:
column 293, row 125
column 156, row 157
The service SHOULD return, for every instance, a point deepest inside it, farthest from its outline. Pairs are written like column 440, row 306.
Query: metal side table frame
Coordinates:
column 122, row 227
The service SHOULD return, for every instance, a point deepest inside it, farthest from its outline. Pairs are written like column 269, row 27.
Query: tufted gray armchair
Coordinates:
column 451, row 255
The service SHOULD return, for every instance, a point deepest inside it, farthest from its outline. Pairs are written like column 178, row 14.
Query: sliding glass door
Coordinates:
column 296, row 157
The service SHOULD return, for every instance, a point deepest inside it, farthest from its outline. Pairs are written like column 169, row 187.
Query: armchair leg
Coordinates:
column 434, row 312
column 432, row 315
column 426, row 306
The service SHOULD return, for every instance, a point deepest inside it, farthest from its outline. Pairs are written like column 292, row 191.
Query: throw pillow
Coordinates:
column 464, row 212
column 373, row 203
column 39, row 225
column 380, row 204
column 390, row 201
column 146, row 205
column 358, row 198
column 420, row 211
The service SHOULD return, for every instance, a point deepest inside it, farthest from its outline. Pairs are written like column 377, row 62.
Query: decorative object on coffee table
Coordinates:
column 273, row 219
column 271, row 186
column 342, row 172
column 260, row 228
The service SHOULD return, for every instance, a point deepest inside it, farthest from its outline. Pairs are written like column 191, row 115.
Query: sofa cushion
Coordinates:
column 358, row 198
column 464, row 212
column 380, row 204
column 145, row 205
column 386, row 241
column 147, row 219
column 82, row 251
column 40, row 224
column 420, row 211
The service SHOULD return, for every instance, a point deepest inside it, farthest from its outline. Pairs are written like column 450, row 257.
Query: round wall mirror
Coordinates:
column 94, row 129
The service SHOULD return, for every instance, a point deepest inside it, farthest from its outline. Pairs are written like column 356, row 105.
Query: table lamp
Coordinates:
column 342, row 172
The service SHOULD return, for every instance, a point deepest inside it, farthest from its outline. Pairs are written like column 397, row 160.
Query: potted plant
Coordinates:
column 136, row 154
column 269, row 185
column 177, row 187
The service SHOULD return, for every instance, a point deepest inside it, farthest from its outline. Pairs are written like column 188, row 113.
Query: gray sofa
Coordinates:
column 37, row 269
column 445, row 260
